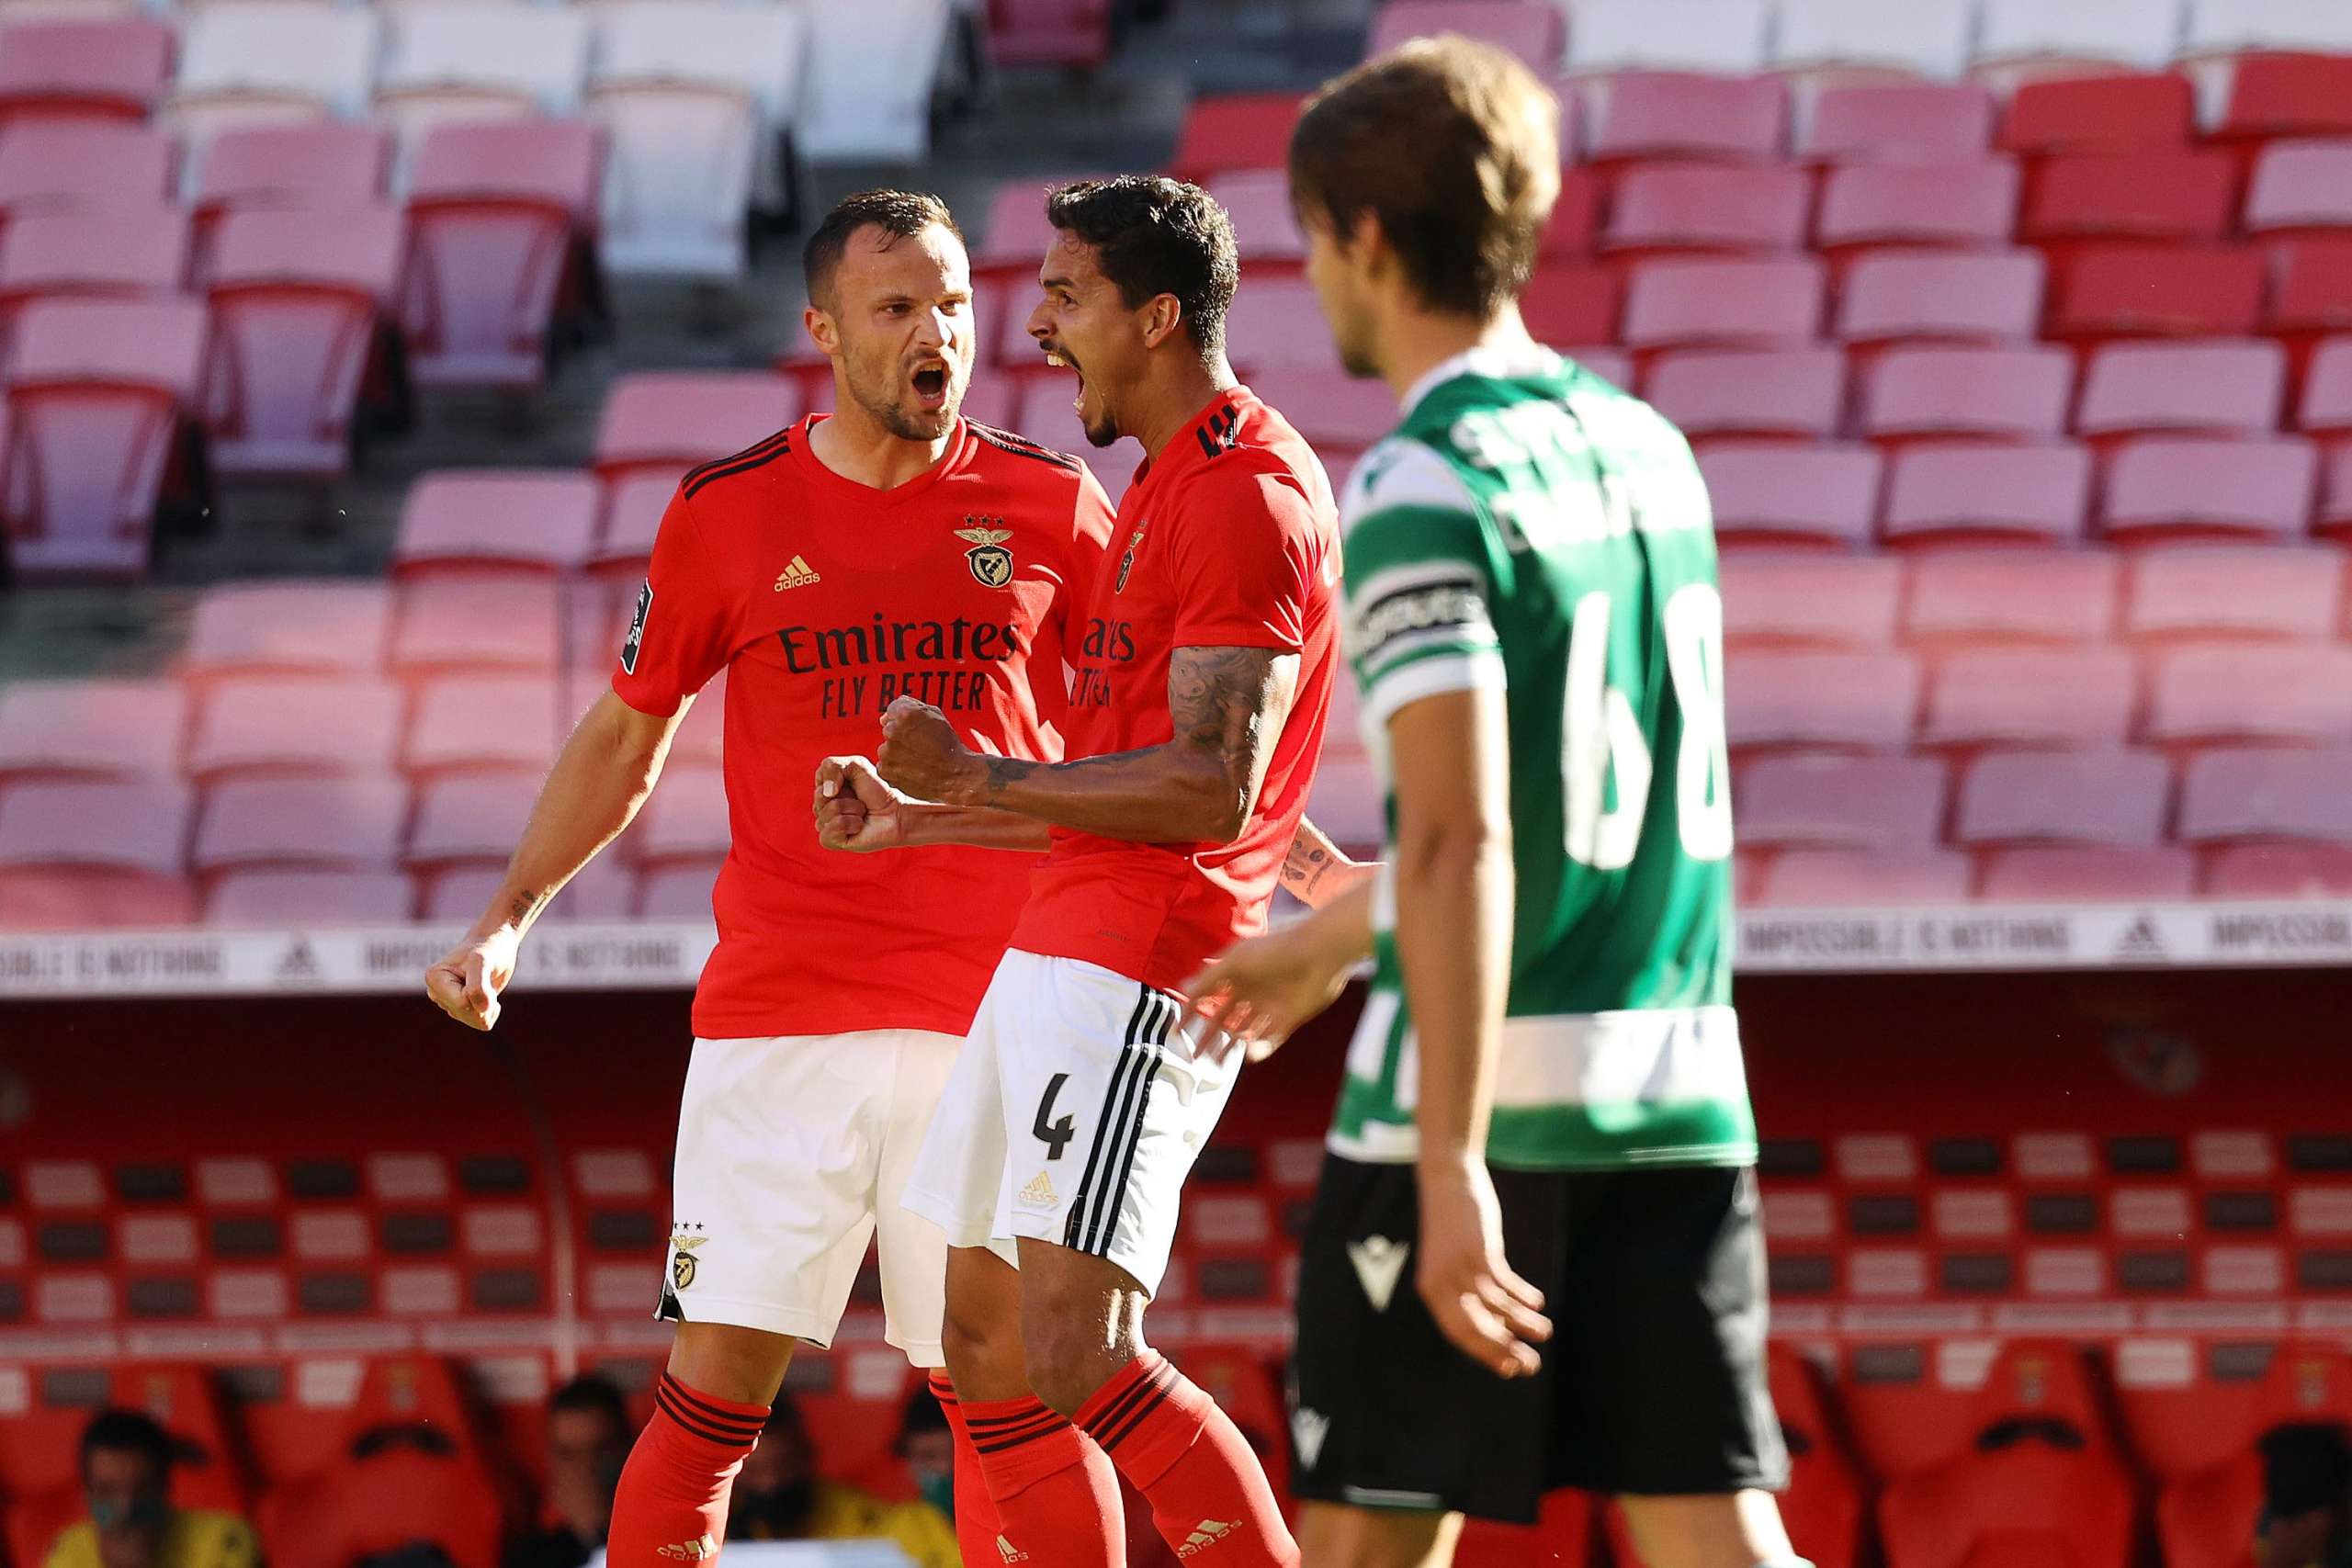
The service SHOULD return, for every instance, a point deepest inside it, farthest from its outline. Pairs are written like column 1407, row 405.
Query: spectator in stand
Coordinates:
column 589, row 1434
column 925, row 1525
column 2306, row 1500
column 127, row 1479
column 780, row 1496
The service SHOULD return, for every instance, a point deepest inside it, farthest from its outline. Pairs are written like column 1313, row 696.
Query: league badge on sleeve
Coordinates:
column 636, row 638
column 992, row 563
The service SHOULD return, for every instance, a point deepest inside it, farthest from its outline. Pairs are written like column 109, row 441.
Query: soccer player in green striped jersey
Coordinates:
column 1544, row 1121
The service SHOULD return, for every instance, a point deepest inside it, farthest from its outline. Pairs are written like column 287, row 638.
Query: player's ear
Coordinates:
column 1162, row 318
column 822, row 331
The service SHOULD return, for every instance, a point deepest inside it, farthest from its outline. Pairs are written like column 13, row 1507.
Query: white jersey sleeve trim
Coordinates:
column 1431, row 677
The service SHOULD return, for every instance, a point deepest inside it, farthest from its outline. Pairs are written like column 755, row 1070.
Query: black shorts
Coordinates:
column 1653, row 1382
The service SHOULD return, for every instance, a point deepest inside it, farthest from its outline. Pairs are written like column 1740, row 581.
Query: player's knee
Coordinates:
column 730, row 1362
column 1065, row 1363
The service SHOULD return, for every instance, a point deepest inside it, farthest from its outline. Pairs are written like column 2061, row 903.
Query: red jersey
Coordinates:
column 823, row 598
column 1229, row 539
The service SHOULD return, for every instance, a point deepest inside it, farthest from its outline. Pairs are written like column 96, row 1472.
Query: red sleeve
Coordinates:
column 681, row 632
column 1245, row 561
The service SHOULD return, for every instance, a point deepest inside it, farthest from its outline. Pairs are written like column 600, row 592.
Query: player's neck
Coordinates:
column 1417, row 341
column 1174, row 395
column 854, row 444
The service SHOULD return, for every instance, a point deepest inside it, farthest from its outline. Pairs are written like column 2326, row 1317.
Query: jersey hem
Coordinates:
column 794, row 1024
column 1719, row 1156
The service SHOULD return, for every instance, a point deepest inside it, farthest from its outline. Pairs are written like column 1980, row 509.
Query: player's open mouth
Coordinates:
column 931, row 386
column 1060, row 360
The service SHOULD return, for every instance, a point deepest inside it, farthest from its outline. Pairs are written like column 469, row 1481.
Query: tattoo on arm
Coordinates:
column 526, row 904
column 1305, row 867
column 1230, row 702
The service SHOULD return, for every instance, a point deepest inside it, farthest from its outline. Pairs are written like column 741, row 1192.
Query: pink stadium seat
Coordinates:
column 1910, row 121
column 1564, row 303
column 1995, row 296
column 2279, row 95
column 672, row 420
column 121, row 254
column 1795, row 392
column 1049, row 32
column 268, row 897
column 354, row 823
column 1691, row 304
column 1825, row 701
column 2212, row 695
column 1274, row 324
column 1613, row 365
column 539, row 518
column 2326, row 405
column 1258, row 202
column 1854, row 803
column 2170, row 196
column 1808, row 599
column 496, row 208
column 85, row 168
column 677, row 892
column 2266, row 793
column 1346, row 802
column 2280, row 870
column 299, row 299
column 633, row 508
column 2311, row 291
column 2044, row 696
column 296, row 724
column 684, row 819
column 2300, row 185
column 1831, row 879
column 2137, row 290
column 605, row 890
column 459, row 623
column 2217, row 388
column 1958, row 204
column 2187, row 485
column 470, row 818
column 1238, row 130
column 1988, row 493
column 83, row 898
column 333, row 626
column 1576, row 216
column 1015, row 236
column 63, row 70
column 1529, row 29
column 1700, row 207
column 1046, row 416
column 1670, row 113
column 486, row 722
column 139, row 825
column 1773, row 491
column 2334, row 517
column 2075, row 873
column 2090, row 797
column 1934, row 392
column 96, row 394
column 106, row 728
column 2216, row 592
column 1339, row 415
column 2098, row 114
column 1973, row 598
column 329, row 165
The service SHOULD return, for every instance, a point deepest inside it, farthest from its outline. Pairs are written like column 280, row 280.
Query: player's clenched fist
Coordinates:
column 856, row 810
column 466, row 984
column 919, row 754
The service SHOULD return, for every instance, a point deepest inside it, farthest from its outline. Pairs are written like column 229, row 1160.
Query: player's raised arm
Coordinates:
column 858, row 812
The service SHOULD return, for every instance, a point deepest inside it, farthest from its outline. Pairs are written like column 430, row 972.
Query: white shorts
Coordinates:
column 1073, row 1116
column 792, row 1151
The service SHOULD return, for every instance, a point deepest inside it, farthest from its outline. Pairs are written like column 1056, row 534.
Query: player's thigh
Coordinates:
column 1735, row 1529
column 912, row 1247
column 955, row 1173
column 1330, row 1536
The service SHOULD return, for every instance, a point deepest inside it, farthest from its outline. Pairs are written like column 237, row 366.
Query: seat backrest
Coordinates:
column 1528, row 28
column 126, row 59
column 321, row 53
column 1901, row 119
column 1726, row 36
column 85, row 167
column 1240, row 130
column 359, row 248
column 2094, row 796
column 2228, row 26
column 687, row 417
column 327, row 164
column 762, row 47
column 550, row 161
column 871, row 69
column 2266, row 793
column 129, row 824
column 143, row 342
column 2111, row 32
column 93, row 253
column 2300, row 184
column 537, row 49
column 1926, row 37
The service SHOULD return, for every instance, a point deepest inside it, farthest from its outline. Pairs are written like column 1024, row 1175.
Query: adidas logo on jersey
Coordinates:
column 1207, row 1533
column 799, row 574
column 1008, row 1553
column 1039, row 1193
column 691, row 1550
column 1379, row 1264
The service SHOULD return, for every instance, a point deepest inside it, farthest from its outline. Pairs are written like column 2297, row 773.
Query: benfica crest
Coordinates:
column 1127, row 562
column 992, row 563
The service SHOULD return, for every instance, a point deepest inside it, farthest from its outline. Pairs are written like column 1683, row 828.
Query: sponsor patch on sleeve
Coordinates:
column 636, row 638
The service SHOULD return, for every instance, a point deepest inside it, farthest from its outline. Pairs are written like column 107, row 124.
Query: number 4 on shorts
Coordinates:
column 1055, row 1136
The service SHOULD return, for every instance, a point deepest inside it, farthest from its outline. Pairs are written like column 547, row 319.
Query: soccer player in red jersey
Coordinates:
column 892, row 550
column 1202, row 677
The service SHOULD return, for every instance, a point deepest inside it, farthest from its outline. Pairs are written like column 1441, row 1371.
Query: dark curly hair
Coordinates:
column 1152, row 235
column 901, row 214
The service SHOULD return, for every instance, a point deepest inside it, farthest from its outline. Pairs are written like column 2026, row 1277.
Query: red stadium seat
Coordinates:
column 333, row 626
column 671, row 421
column 1257, row 203
column 1993, row 298
column 2263, row 793
column 2098, row 114
column 1613, row 365
column 2210, row 1518
column 2046, row 696
column 326, row 165
column 2225, row 592
column 64, row 70
column 1047, row 416
column 1935, row 392
column 296, row 724
column 2132, row 290
column 83, row 898
column 298, row 299
column 1910, row 121
column 1529, row 29
column 2300, row 185
column 2280, row 870
column 1014, row 238
column 1975, row 598
column 1237, row 130
column 495, row 207
column 139, row 825
column 1692, row 304
column 1339, row 415
column 311, row 899
column 633, row 509
column 1831, row 879
column 1049, row 32
column 2074, row 874
column 465, row 723
column 2334, row 517
column 457, row 624
column 2292, row 695
column 2188, row 485
column 2310, row 290
column 1670, row 113
column 206, row 1472
column 1807, row 599
column 2088, row 798
column 1688, row 207
column 2165, row 196
column 1861, row 702
column 1823, row 1506
column 124, row 255
column 684, row 819
column 1564, row 303
column 2039, row 493
column 1848, row 802
column 1798, row 392
column 1961, row 204
column 1576, row 216
column 96, row 393
column 540, row 518
column 2221, row 387
column 126, row 729
column 85, row 168
column 1776, row 492
column 353, row 823
column 1560, row 1538
column 2284, row 94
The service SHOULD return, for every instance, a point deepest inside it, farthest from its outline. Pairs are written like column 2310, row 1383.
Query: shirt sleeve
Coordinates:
column 1246, row 561
column 681, row 632
column 1418, row 581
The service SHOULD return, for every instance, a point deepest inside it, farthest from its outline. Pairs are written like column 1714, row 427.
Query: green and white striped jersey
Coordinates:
column 1529, row 527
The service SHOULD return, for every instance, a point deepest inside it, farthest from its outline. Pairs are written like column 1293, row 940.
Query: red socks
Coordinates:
column 1057, row 1497
column 1208, row 1493
column 976, row 1522
column 672, row 1506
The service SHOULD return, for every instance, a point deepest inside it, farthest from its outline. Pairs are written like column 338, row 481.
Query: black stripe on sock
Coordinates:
column 755, row 1424
column 1111, row 1439
column 1119, row 1407
column 665, row 1405
column 1003, row 1440
column 993, row 1424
